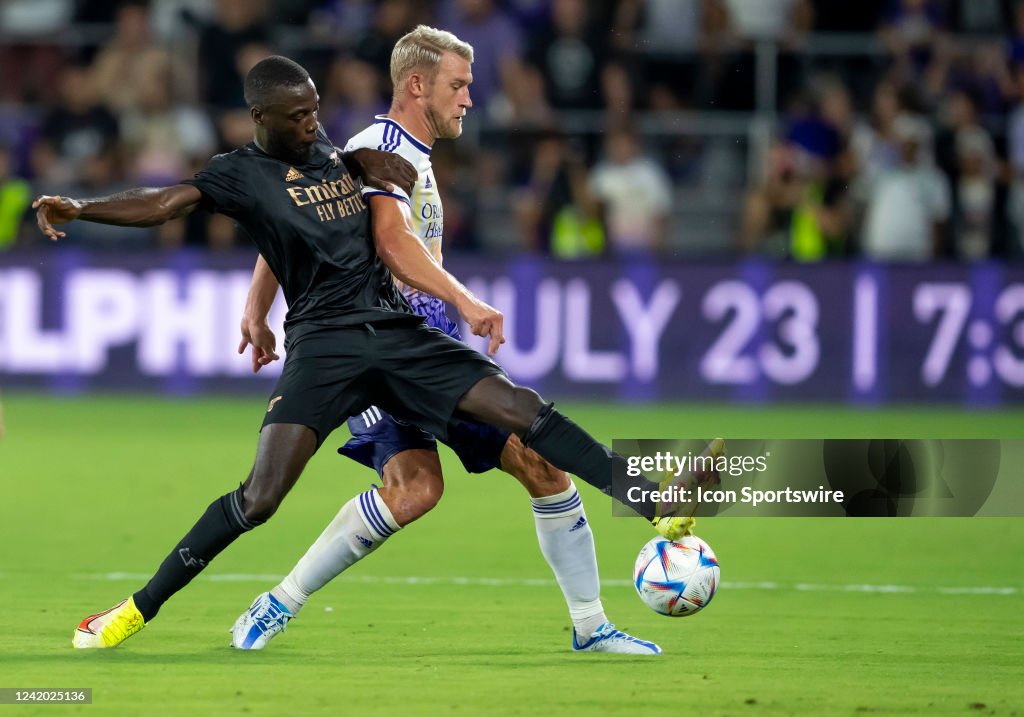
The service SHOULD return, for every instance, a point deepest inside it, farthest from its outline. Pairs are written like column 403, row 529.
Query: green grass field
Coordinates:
column 96, row 491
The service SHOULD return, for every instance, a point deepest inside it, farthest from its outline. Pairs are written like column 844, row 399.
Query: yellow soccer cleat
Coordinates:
column 674, row 528
column 715, row 449
column 110, row 627
column 681, row 520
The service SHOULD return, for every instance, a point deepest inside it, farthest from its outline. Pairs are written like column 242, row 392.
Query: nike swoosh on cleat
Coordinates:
column 89, row 619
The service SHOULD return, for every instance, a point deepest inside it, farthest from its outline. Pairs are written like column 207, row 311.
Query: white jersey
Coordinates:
column 425, row 203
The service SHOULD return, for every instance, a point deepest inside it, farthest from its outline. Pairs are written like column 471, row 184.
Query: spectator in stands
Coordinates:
column 352, row 94
column 965, row 152
column 15, row 199
column 975, row 193
column 130, row 62
column 570, row 53
column 238, row 23
column 991, row 79
column 802, row 210
column 799, row 211
column 836, row 110
column 554, row 210
column 391, row 20
column 497, row 45
column 234, row 125
column 161, row 138
column 909, row 203
column 874, row 147
column 77, row 127
column 523, row 105
column 635, row 193
column 617, row 90
column 494, row 227
column 163, row 142
column 768, row 209
column 914, row 32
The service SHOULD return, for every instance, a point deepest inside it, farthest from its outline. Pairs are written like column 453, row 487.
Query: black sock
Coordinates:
column 568, row 447
column 222, row 522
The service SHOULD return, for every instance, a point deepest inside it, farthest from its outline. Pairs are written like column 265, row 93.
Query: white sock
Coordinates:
column 567, row 542
column 359, row 528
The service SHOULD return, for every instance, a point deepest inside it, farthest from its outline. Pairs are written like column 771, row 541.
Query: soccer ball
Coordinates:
column 676, row 578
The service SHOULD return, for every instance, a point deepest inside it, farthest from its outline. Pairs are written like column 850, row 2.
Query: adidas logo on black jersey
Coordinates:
column 292, row 175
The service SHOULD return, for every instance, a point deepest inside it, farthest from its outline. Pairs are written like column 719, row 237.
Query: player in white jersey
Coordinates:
column 426, row 215
column 431, row 74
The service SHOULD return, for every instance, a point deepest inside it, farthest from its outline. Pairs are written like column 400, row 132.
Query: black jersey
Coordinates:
column 310, row 224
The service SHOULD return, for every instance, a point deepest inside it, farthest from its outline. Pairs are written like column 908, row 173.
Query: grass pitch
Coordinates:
column 458, row 614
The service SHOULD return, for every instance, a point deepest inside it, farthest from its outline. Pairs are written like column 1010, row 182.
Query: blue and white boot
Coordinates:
column 607, row 639
column 255, row 627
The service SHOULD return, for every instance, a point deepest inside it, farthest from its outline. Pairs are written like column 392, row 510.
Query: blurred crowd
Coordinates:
column 802, row 129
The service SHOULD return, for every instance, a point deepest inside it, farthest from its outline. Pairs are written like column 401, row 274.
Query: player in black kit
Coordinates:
column 352, row 340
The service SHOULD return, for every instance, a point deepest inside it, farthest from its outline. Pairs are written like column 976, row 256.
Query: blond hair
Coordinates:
column 422, row 49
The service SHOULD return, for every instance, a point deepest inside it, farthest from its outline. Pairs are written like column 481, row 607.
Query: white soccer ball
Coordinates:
column 676, row 578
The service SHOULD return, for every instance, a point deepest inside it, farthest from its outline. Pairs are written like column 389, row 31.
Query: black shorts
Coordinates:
column 413, row 371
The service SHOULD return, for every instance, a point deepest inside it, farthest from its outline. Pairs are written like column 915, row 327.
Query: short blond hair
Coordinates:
column 422, row 49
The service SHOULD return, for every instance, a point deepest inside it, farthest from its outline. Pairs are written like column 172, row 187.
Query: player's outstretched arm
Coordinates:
column 255, row 328
column 381, row 170
column 403, row 252
column 142, row 207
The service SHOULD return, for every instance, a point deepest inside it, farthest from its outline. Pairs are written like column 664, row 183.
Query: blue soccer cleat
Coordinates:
column 255, row 627
column 607, row 639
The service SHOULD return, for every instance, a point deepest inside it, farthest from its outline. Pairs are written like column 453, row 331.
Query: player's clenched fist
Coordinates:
column 55, row 210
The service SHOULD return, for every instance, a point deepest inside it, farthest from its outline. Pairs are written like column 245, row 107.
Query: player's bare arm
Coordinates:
column 255, row 328
column 404, row 254
column 150, row 206
column 141, row 207
column 408, row 260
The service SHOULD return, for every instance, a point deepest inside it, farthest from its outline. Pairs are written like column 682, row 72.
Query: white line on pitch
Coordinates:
column 547, row 582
